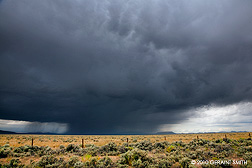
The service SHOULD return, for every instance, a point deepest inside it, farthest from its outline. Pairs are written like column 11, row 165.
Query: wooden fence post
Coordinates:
column 165, row 138
column 32, row 142
column 82, row 143
column 127, row 142
column 225, row 139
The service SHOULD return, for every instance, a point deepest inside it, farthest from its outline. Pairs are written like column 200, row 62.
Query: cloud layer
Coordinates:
column 212, row 118
column 33, row 127
column 122, row 66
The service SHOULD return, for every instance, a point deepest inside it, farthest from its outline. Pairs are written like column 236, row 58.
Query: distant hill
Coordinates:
column 165, row 133
column 7, row 132
column 213, row 132
column 40, row 133
column 10, row 132
column 239, row 131
column 220, row 132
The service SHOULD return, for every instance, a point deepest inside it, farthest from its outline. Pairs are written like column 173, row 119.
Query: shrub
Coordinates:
column 170, row 149
column 62, row 147
column 185, row 162
column 27, row 151
column 18, row 150
column 134, row 140
column 124, row 148
column 163, row 163
column 13, row 163
column 144, row 145
column 110, row 149
column 161, row 145
column 72, row 148
column 5, row 151
column 179, row 143
column 48, row 160
column 45, row 151
column 135, row 157
column 104, row 162
column 79, row 164
column 192, row 155
column 91, row 150
column 227, row 140
column 247, row 156
column 91, row 163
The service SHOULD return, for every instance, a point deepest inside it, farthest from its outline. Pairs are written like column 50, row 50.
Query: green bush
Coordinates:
column 79, row 164
column 143, row 145
column 135, row 157
column 62, row 147
column 48, row 161
column 110, row 149
column 185, row 162
column 5, row 151
column 161, row 145
column 14, row 163
column 72, row 148
column 170, row 149
column 104, row 163
column 163, row 163
column 72, row 161
column 124, row 148
column 91, row 150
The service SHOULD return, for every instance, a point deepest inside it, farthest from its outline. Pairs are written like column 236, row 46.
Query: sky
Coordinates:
column 125, row 67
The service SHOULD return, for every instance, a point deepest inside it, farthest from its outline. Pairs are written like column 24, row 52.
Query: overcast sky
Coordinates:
column 125, row 66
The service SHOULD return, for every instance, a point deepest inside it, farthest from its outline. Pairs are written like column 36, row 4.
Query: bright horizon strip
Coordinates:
column 235, row 117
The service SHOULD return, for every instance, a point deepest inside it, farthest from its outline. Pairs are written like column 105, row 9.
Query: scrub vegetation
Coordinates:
column 157, row 151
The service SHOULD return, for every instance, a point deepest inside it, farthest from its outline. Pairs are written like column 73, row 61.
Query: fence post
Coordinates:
column 82, row 143
column 165, row 138
column 32, row 142
column 225, row 139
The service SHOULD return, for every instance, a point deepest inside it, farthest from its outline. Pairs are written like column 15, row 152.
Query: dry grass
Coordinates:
column 54, row 141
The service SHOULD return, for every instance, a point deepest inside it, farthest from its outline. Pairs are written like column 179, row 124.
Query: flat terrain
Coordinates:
column 54, row 141
column 174, row 150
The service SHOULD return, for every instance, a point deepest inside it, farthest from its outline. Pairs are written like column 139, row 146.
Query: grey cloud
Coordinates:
column 32, row 127
column 107, row 66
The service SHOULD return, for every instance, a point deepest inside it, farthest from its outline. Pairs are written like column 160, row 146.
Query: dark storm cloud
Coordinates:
column 122, row 66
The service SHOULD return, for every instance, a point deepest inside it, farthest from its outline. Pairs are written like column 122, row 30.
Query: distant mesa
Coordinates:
column 220, row 132
column 10, row 132
column 7, row 132
column 170, row 132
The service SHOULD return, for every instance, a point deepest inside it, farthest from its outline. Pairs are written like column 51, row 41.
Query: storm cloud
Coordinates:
column 122, row 66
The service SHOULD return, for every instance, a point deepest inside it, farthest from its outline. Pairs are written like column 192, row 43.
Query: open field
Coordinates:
column 173, row 150
column 54, row 141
